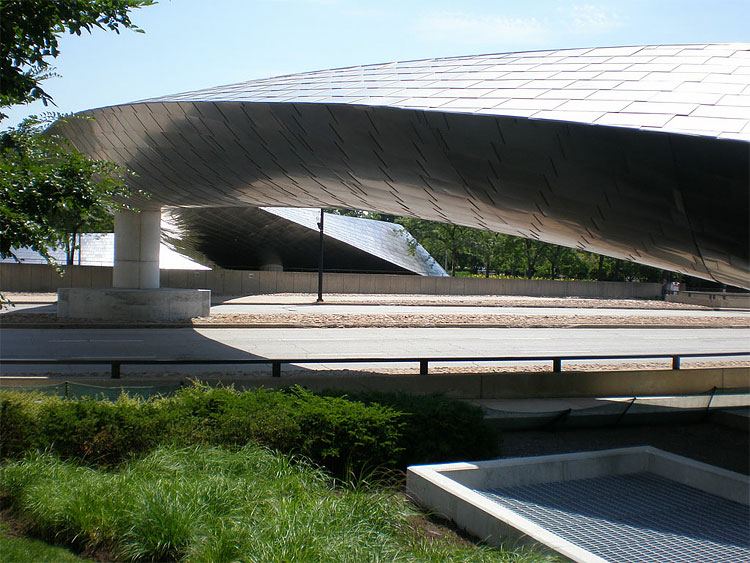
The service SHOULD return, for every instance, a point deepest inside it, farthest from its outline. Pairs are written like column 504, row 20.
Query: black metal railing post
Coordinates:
column 117, row 363
column 710, row 399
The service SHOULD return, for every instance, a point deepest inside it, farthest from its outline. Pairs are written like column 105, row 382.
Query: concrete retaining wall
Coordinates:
column 37, row 277
column 40, row 277
column 544, row 385
column 712, row 299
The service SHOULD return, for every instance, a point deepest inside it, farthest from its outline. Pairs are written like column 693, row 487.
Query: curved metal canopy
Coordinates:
column 639, row 153
column 262, row 238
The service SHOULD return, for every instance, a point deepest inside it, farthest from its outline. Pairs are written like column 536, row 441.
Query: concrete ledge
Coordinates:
column 116, row 304
column 546, row 385
column 522, row 385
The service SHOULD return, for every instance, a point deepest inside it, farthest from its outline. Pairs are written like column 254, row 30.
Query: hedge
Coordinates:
column 344, row 434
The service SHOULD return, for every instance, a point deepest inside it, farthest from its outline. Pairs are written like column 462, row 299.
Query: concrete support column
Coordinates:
column 135, row 295
column 137, row 240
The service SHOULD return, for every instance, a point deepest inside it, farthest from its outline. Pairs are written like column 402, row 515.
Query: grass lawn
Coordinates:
column 212, row 504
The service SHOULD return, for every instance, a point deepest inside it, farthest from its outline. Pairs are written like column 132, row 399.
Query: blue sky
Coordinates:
column 193, row 44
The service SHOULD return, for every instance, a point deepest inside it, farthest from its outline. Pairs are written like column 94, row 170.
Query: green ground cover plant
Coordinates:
column 204, row 503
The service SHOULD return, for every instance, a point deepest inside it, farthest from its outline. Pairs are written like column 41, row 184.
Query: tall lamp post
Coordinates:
column 320, row 260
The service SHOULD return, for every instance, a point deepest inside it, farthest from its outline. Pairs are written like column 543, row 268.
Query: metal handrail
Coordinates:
column 424, row 362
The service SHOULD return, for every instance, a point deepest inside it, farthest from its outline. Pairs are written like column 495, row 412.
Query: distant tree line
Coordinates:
column 465, row 251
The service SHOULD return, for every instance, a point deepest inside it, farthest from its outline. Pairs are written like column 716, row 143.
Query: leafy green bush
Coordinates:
column 333, row 432
column 337, row 433
column 436, row 429
column 223, row 416
column 345, row 434
column 99, row 432
column 19, row 418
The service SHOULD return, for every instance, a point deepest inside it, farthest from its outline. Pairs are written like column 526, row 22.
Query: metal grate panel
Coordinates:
column 635, row 517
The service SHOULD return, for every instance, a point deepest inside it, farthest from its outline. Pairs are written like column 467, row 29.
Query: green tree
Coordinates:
column 566, row 263
column 50, row 192
column 30, row 30
column 442, row 240
column 361, row 214
column 534, row 252
column 485, row 245
column 468, row 249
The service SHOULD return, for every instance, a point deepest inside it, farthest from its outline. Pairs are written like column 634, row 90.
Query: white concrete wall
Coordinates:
column 37, row 277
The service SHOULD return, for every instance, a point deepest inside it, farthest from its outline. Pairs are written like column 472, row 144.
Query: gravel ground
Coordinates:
column 416, row 320
column 457, row 300
column 411, row 299
column 485, row 320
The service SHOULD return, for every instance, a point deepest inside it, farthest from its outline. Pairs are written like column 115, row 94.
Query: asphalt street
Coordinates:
column 312, row 343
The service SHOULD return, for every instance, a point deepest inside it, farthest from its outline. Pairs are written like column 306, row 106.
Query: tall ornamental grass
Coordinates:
column 204, row 503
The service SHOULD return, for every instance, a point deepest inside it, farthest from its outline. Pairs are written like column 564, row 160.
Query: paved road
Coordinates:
column 310, row 343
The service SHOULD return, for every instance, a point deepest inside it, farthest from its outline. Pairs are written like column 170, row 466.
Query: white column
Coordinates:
column 137, row 249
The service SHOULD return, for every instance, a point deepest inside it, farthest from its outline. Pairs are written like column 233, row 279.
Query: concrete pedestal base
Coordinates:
column 115, row 304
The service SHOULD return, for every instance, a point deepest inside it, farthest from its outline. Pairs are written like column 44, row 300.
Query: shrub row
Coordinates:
column 343, row 434
column 435, row 429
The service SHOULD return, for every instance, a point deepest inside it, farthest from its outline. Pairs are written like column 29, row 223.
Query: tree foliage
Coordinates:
column 30, row 30
column 50, row 191
column 468, row 251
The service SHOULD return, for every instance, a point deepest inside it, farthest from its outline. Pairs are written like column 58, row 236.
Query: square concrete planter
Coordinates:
column 586, row 506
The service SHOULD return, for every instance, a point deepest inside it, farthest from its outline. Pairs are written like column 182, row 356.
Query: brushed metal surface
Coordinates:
column 614, row 168
column 250, row 238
